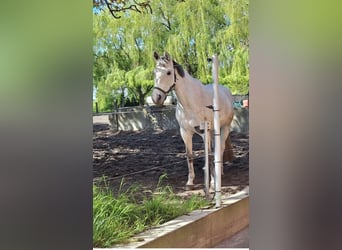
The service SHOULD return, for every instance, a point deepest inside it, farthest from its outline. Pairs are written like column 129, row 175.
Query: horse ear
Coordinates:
column 167, row 56
column 155, row 55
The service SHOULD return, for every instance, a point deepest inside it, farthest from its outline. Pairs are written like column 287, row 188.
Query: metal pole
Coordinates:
column 217, row 135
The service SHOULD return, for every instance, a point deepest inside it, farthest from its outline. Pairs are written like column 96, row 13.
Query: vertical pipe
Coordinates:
column 217, row 135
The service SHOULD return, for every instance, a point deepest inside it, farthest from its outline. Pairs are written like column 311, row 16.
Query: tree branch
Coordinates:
column 168, row 24
column 117, row 6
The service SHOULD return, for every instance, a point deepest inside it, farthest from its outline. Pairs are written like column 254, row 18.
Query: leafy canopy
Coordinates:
column 190, row 30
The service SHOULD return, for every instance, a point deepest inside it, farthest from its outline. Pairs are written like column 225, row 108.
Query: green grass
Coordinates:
column 116, row 219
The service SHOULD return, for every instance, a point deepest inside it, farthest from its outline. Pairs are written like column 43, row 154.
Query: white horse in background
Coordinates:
column 193, row 107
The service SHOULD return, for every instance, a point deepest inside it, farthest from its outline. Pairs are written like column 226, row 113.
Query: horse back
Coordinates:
column 192, row 118
column 225, row 99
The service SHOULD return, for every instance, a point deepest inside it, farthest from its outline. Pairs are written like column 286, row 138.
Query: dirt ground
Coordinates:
column 141, row 157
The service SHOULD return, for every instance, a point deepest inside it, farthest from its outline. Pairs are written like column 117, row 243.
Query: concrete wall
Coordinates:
column 145, row 118
column 206, row 231
column 140, row 118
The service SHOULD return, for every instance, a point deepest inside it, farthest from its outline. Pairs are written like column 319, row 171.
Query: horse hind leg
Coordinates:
column 228, row 154
column 212, row 172
column 226, row 146
column 211, row 159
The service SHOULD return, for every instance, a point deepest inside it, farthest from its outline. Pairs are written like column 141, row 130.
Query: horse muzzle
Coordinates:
column 158, row 97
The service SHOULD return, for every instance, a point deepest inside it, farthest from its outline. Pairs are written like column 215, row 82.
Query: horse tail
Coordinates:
column 228, row 154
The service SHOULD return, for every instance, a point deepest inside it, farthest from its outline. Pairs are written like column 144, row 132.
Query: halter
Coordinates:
column 172, row 86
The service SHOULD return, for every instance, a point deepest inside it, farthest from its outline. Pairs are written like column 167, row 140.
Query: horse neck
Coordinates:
column 187, row 90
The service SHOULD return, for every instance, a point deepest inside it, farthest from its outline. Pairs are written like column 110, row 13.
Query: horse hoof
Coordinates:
column 189, row 187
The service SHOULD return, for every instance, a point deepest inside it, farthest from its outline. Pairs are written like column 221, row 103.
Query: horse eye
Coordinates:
column 168, row 73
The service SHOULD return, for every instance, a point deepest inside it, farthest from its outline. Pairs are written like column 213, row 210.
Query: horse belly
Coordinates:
column 189, row 121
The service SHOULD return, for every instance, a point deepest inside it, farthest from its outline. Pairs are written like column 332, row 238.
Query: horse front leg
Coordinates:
column 187, row 139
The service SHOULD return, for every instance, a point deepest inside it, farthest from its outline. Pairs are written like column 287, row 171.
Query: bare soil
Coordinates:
column 141, row 157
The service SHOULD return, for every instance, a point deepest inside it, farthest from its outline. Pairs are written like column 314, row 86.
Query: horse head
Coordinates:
column 164, row 77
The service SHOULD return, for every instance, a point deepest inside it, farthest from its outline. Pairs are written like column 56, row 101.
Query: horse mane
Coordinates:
column 179, row 68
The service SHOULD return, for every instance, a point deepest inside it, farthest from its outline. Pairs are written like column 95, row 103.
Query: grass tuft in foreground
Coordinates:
column 116, row 219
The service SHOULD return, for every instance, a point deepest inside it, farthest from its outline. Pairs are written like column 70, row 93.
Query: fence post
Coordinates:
column 96, row 108
column 217, row 135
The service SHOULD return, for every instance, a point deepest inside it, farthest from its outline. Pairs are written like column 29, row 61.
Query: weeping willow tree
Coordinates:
column 190, row 30
column 233, row 47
